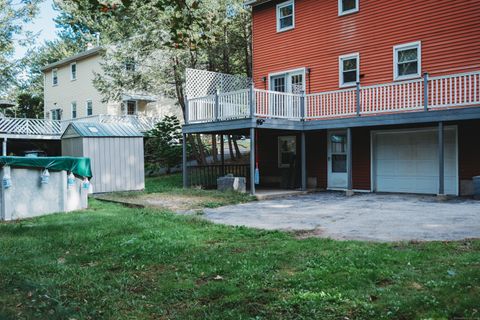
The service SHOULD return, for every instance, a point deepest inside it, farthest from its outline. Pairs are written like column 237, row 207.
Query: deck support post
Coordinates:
column 184, row 161
column 349, row 163
column 4, row 147
column 215, row 110
column 441, row 162
column 222, row 154
column 304, row 161
column 186, row 110
column 357, row 98
column 252, row 161
column 425, row 91
column 251, row 101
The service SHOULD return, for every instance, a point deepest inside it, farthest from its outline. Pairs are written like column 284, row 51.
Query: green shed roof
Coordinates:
column 95, row 130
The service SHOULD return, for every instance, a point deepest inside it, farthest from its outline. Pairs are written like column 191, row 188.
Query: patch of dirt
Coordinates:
column 177, row 203
column 305, row 234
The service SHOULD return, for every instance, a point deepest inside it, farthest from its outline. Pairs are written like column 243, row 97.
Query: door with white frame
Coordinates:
column 337, row 159
column 287, row 82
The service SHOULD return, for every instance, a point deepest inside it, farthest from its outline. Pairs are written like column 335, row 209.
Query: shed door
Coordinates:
column 407, row 161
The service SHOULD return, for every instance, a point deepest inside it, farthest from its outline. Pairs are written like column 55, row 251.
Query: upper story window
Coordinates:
column 56, row 113
column 347, row 7
column 407, row 61
column 74, row 110
column 89, row 108
column 73, row 71
column 54, row 77
column 131, row 107
column 349, row 67
column 130, row 65
column 285, row 16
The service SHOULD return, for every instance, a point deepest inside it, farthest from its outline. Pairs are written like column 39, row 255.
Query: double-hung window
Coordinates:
column 347, row 7
column 285, row 16
column 407, row 61
column 349, row 67
column 89, row 108
column 74, row 110
column 73, row 71
column 55, row 77
column 287, row 149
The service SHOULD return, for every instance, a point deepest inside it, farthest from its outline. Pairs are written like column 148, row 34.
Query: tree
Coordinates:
column 163, row 37
column 13, row 14
column 163, row 147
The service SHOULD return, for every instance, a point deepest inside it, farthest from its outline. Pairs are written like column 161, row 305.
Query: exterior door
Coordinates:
column 291, row 82
column 337, row 159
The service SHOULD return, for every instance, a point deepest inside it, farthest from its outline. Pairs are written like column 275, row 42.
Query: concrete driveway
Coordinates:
column 374, row 217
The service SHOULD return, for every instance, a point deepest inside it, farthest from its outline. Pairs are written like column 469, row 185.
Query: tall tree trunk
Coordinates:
column 237, row 149
column 214, row 148
column 230, row 148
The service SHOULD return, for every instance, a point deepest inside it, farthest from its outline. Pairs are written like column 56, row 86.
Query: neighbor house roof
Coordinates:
column 255, row 2
column 82, row 55
column 95, row 130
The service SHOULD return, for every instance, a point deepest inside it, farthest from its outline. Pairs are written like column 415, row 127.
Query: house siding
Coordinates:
column 449, row 32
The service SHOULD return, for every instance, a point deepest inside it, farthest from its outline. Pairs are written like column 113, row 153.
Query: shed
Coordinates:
column 115, row 151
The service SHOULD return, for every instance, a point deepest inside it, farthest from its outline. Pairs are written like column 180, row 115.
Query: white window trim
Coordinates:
column 344, row 13
column 411, row 45
column 281, row 5
column 76, row 71
column 136, row 107
column 302, row 71
column 71, row 109
column 341, row 84
column 53, row 77
column 279, row 154
column 86, row 107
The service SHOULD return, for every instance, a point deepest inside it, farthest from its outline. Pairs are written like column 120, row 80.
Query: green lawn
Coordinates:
column 113, row 262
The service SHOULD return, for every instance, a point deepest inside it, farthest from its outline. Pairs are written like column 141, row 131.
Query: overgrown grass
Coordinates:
column 112, row 262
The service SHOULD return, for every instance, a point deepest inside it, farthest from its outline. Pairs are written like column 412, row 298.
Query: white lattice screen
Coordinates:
column 200, row 83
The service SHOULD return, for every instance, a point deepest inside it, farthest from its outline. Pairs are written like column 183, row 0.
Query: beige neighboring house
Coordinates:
column 69, row 92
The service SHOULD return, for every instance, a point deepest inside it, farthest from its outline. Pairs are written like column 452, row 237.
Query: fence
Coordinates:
column 206, row 175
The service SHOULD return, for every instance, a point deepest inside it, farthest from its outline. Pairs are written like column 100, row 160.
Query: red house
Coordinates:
column 358, row 95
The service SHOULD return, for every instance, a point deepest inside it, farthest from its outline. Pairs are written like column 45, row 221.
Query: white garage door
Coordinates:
column 407, row 161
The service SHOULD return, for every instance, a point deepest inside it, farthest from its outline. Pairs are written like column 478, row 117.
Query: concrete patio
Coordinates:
column 373, row 217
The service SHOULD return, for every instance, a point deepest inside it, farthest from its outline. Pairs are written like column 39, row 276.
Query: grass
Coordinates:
column 113, row 262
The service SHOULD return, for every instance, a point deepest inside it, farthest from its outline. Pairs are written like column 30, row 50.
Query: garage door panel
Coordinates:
column 408, row 161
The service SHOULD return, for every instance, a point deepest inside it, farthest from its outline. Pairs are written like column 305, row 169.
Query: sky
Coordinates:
column 44, row 24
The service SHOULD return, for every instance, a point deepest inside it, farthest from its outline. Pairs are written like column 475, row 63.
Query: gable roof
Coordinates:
column 79, row 56
column 95, row 130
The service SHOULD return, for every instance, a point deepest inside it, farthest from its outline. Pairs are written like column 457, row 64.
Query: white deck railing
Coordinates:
column 428, row 93
column 45, row 127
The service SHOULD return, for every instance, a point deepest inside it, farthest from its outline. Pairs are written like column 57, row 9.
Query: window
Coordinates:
column 56, row 114
column 73, row 71
column 74, row 110
column 349, row 66
column 285, row 16
column 347, row 7
column 407, row 61
column 55, row 77
column 131, row 107
column 130, row 65
column 89, row 108
column 338, row 151
column 287, row 150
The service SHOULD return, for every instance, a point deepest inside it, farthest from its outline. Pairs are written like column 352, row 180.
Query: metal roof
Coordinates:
column 79, row 56
column 254, row 2
column 104, row 130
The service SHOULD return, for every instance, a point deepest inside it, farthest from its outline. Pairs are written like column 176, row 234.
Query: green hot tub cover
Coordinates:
column 79, row 166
